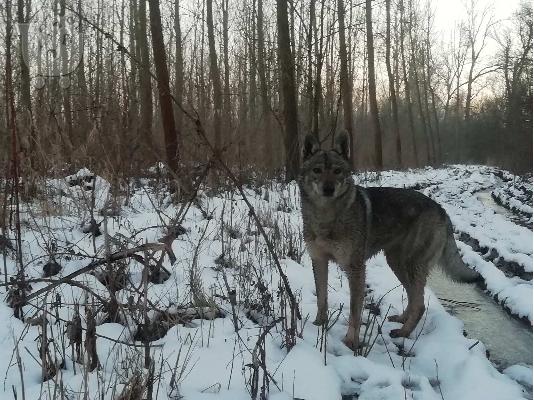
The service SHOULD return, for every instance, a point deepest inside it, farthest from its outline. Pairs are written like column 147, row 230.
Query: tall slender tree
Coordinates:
column 145, row 85
column 392, row 91
column 288, row 90
column 264, row 90
column 165, row 97
column 178, row 67
column 345, row 82
column 407, row 90
column 375, row 119
column 215, row 76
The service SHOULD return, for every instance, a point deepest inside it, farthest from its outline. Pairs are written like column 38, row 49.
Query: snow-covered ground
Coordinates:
column 224, row 272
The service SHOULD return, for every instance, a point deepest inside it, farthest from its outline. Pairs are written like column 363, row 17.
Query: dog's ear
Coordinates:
column 342, row 144
column 311, row 146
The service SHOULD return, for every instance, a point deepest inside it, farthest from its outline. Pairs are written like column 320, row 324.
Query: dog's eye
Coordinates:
column 317, row 170
column 337, row 171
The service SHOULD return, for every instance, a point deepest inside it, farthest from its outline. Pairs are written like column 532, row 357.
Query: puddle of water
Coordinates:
column 507, row 339
column 485, row 198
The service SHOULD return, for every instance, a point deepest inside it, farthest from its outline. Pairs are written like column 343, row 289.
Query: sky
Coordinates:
column 447, row 12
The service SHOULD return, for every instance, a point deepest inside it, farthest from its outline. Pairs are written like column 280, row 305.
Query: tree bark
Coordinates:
column 392, row 92
column 319, row 60
column 178, row 68
column 24, row 57
column 413, row 68
column 82, row 103
column 345, row 82
column 165, row 98
column 227, row 112
column 145, row 86
column 215, row 76
column 372, row 85
column 407, row 86
column 288, row 90
column 264, row 89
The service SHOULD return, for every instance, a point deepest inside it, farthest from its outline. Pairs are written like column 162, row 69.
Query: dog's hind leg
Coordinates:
column 415, row 309
column 392, row 259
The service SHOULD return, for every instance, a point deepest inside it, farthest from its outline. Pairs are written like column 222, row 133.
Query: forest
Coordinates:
column 153, row 184
column 117, row 85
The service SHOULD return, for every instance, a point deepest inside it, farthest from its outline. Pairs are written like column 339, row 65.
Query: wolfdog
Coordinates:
column 348, row 224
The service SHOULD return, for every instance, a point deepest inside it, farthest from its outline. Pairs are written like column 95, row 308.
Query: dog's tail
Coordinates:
column 452, row 262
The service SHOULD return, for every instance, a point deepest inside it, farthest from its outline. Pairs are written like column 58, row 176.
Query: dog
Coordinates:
column 348, row 224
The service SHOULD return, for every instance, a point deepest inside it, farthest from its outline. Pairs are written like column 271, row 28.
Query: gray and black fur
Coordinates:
column 348, row 224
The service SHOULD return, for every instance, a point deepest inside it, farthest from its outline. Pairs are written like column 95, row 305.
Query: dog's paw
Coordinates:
column 395, row 333
column 351, row 343
column 397, row 318
column 351, row 339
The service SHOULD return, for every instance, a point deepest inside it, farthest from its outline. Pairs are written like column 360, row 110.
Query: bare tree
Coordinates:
column 407, row 90
column 478, row 28
column 145, row 86
column 345, row 82
column 25, row 97
column 165, row 97
column 288, row 90
column 372, row 85
column 392, row 91
column 178, row 66
column 264, row 90
column 414, row 69
column 227, row 112
column 215, row 76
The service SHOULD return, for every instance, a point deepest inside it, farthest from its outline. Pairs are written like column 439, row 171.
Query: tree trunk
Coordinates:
column 392, row 92
column 67, row 109
column 227, row 112
column 345, row 82
column 436, row 140
column 319, row 59
column 372, row 86
column 426, row 89
column 309, row 83
column 82, row 103
column 413, row 69
column 264, row 89
column 178, row 68
column 25, row 97
column 288, row 90
column 407, row 85
column 252, row 134
column 469, row 95
column 165, row 99
column 215, row 76
column 145, row 86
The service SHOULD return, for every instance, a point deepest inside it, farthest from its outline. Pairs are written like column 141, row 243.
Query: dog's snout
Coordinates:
column 328, row 190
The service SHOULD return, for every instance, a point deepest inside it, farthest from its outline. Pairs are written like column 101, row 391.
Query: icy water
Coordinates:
column 485, row 198
column 508, row 340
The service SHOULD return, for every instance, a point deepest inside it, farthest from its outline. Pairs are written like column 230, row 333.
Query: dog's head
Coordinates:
column 326, row 174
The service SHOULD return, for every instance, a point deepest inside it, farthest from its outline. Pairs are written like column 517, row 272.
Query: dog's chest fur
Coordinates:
column 332, row 231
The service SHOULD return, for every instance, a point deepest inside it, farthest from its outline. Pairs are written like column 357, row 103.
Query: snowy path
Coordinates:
column 436, row 362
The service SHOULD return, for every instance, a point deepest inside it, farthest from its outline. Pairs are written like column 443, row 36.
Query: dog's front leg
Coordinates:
column 356, row 278
column 320, row 273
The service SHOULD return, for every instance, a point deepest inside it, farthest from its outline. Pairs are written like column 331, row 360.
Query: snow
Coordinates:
column 210, row 359
column 520, row 373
